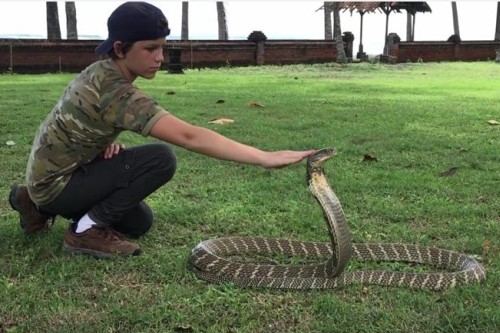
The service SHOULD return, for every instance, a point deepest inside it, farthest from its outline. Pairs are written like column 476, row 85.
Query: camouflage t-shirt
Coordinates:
column 95, row 107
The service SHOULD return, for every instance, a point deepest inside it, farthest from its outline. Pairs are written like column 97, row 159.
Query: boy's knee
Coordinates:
column 137, row 222
column 166, row 159
column 140, row 229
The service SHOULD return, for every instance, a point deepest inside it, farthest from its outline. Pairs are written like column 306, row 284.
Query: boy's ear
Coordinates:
column 117, row 47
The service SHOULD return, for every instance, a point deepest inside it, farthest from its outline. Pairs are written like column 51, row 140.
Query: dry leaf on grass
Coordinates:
column 256, row 105
column 486, row 245
column 221, row 121
column 184, row 328
column 369, row 158
column 449, row 173
column 493, row 122
column 320, row 101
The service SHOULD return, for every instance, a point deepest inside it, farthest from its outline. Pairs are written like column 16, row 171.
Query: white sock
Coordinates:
column 84, row 224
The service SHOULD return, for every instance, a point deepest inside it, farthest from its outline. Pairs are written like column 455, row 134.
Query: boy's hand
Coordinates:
column 282, row 158
column 112, row 150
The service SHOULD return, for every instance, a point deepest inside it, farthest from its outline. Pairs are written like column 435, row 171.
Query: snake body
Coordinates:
column 210, row 259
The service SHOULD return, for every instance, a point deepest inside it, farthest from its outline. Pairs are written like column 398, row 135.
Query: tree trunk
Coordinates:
column 53, row 29
column 413, row 27
column 386, row 8
column 327, row 7
column 386, row 31
column 456, row 29
column 497, row 29
column 185, row 21
column 221, row 19
column 336, row 19
column 341, row 56
column 409, row 27
column 71, row 31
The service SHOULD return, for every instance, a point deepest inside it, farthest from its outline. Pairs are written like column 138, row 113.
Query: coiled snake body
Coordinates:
column 210, row 261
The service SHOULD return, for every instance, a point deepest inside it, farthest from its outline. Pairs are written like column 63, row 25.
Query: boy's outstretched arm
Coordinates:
column 205, row 141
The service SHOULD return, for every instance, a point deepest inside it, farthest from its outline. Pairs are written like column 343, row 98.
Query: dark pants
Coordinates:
column 112, row 191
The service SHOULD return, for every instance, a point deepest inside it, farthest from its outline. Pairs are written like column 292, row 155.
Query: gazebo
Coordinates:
column 386, row 7
column 361, row 8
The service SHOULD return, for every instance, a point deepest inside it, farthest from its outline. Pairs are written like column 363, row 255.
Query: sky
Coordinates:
column 299, row 19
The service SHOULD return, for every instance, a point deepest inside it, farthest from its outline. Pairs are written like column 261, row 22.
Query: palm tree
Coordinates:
column 456, row 30
column 71, row 30
column 53, row 29
column 185, row 21
column 327, row 8
column 337, row 34
column 497, row 29
column 221, row 19
column 409, row 27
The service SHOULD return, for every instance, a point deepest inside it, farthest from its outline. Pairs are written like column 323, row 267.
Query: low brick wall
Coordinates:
column 290, row 52
column 200, row 53
column 445, row 51
column 34, row 56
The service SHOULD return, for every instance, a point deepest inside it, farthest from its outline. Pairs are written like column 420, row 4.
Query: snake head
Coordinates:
column 315, row 162
column 319, row 158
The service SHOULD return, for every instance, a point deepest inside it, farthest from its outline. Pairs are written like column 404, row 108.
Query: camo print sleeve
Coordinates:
column 134, row 110
column 93, row 110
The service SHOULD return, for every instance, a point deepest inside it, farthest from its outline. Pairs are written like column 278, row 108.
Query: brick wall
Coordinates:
column 199, row 53
column 32, row 56
column 291, row 52
column 445, row 51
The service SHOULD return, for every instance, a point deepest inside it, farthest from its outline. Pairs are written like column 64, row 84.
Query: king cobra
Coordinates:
column 211, row 259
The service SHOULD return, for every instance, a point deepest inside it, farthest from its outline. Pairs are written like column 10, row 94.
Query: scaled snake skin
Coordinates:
column 210, row 259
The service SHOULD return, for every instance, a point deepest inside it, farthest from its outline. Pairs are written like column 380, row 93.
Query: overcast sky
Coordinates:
column 277, row 19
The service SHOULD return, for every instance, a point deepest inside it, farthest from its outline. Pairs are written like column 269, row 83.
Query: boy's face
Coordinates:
column 143, row 59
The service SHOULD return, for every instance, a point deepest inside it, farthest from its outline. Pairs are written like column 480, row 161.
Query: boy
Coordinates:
column 77, row 171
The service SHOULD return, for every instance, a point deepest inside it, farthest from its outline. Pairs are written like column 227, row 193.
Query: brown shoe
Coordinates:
column 99, row 242
column 32, row 220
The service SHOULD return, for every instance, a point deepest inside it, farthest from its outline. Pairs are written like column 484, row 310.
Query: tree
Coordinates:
column 409, row 27
column 497, row 30
column 456, row 30
column 53, row 29
column 327, row 8
column 185, row 21
column 337, row 34
column 221, row 19
column 71, row 31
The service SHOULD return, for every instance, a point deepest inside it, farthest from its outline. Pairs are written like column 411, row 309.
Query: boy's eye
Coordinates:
column 152, row 48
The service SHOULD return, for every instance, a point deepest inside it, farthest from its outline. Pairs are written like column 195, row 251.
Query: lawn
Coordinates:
column 396, row 128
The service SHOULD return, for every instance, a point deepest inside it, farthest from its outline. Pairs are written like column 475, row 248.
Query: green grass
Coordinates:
column 417, row 119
